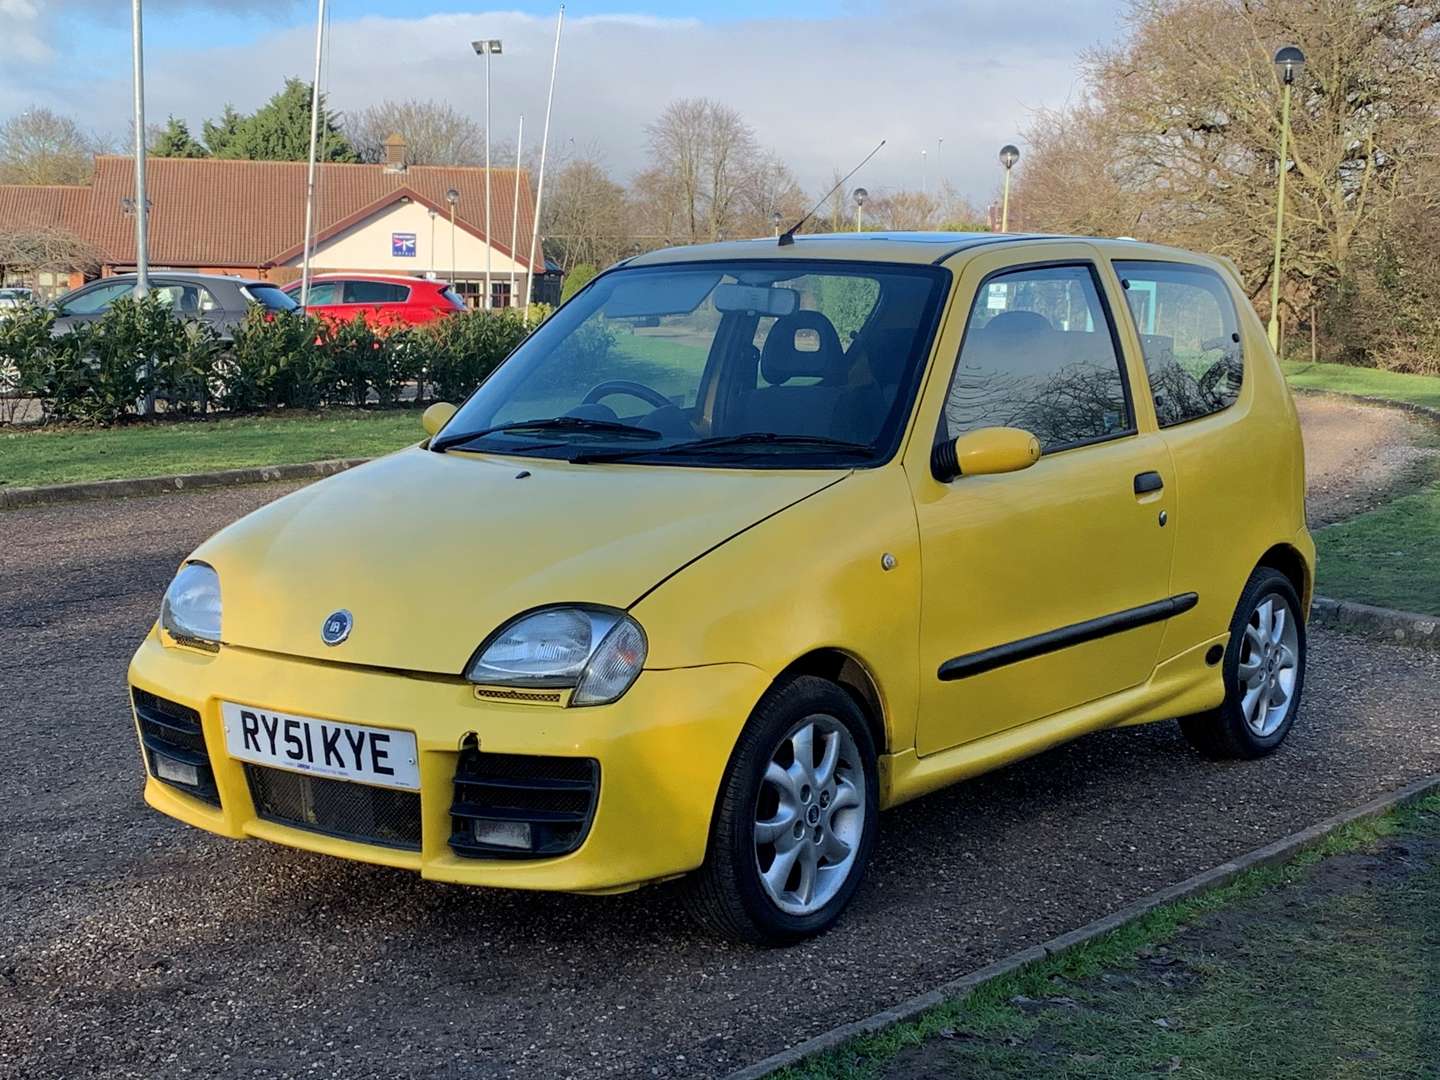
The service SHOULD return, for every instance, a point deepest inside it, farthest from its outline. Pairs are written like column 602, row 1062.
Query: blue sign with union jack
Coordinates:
column 402, row 245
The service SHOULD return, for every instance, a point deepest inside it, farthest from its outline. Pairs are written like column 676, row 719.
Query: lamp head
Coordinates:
column 1009, row 155
column 860, row 195
column 1288, row 62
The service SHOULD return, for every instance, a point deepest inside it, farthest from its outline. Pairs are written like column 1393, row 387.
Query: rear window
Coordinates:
column 269, row 296
column 375, row 292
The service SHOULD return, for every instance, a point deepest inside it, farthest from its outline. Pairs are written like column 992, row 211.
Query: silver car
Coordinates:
column 216, row 299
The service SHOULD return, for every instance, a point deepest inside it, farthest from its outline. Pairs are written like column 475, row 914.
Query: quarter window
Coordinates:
column 1039, row 354
column 1189, row 335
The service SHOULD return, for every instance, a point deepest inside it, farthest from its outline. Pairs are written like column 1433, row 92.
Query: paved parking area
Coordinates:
column 131, row 945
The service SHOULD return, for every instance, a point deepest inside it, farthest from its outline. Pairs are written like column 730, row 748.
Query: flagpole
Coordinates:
column 314, row 139
column 515, row 213
column 544, row 145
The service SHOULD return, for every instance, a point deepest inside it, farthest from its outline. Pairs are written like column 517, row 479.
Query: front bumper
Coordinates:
column 662, row 750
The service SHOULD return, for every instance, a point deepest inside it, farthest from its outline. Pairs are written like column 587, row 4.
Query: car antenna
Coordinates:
column 788, row 236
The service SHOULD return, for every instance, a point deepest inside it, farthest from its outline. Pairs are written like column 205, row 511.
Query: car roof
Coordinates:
column 388, row 279
column 186, row 275
column 920, row 248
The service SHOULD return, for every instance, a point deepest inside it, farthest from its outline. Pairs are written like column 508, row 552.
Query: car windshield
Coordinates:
column 769, row 364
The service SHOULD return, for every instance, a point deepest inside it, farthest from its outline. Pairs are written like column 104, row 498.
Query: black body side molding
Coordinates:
column 1118, row 622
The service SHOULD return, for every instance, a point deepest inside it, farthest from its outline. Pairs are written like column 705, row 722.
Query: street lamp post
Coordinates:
column 487, row 47
column 1009, row 155
column 1288, row 62
column 452, row 197
column 775, row 220
column 924, row 173
column 859, row 195
column 515, row 210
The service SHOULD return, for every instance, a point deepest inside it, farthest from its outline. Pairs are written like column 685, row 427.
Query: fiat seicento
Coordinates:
column 746, row 543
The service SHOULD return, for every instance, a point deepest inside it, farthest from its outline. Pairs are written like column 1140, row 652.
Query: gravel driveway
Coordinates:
column 1359, row 456
column 131, row 945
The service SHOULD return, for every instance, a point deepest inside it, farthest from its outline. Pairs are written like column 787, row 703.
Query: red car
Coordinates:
column 379, row 299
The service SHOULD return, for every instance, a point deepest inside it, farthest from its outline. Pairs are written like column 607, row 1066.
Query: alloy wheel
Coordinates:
column 810, row 815
column 1269, row 663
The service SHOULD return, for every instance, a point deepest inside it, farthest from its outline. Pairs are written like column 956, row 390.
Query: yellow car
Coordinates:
column 746, row 543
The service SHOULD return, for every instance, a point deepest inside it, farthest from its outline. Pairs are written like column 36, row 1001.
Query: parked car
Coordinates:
column 379, row 299
column 744, row 544
column 216, row 299
column 17, row 293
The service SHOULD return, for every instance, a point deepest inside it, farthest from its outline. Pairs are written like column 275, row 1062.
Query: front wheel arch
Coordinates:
column 850, row 674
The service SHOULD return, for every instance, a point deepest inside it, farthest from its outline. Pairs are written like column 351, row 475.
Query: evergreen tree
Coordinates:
column 175, row 141
column 220, row 135
column 279, row 130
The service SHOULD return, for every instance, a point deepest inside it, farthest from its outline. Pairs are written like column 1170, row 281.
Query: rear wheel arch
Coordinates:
column 1287, row 559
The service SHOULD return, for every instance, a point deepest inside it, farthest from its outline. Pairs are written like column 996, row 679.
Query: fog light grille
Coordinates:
column 174, row 745
column 360, row 812
column 502, row 798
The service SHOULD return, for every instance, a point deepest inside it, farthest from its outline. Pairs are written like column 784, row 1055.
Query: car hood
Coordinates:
column 430, row 552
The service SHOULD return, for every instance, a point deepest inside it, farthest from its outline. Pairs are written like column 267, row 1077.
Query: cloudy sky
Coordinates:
column 821, row 81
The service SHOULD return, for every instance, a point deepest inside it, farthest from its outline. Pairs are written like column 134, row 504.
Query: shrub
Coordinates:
column 369, row 355
column 279, row 358
column 579, row 276
column 25, row 348
column 462, row 350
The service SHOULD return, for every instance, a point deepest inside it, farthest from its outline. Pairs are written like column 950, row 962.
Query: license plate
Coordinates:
column 383, row 757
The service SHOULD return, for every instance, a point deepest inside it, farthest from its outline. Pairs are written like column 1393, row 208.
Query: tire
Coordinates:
column 729, row 894
column 1244, row 726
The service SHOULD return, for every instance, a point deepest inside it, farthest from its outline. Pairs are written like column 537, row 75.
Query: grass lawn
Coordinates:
column 1389, row 556
column 1364, row 382
column 1326, row 966
column 71, row 455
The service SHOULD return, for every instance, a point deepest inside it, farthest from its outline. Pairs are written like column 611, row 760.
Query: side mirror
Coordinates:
column 436, row 417
column 984, row 451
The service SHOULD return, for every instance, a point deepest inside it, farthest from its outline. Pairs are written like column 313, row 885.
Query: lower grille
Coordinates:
column 174, row 745
column 370, row 815
column 519, row 806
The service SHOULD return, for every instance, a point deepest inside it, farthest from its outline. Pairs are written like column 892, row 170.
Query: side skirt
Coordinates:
column 1180, row 686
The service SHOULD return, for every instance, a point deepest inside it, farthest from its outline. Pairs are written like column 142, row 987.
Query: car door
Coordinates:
column 1046, row 588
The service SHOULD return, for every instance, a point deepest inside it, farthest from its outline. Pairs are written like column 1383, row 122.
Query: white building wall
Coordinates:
column 368, row 247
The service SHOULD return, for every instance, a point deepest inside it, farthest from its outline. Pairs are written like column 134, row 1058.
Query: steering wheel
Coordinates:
column 645, row 393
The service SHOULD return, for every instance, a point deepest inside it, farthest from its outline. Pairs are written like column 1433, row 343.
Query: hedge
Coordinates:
column 103, row 372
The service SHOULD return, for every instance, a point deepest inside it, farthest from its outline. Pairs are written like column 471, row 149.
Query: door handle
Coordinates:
column 1146, row 482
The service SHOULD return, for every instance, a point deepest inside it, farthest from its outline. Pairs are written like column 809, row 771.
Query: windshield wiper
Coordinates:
column 553, row 423
column 723, row 442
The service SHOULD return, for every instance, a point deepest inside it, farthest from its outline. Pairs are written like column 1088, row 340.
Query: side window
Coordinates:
column 1039, row 354
column 185, row 299
column 375, row 292
column 324, row 292
column 98, row 299
column 1190, row 337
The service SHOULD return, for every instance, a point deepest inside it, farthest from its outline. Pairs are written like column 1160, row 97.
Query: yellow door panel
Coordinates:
column 1012, row 557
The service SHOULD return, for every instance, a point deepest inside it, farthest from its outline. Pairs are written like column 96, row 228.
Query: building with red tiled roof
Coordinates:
column 248, row 217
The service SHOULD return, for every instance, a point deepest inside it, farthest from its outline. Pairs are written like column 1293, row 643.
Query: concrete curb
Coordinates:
column 14, row 498
column 1280, row 851
column 1404, row 627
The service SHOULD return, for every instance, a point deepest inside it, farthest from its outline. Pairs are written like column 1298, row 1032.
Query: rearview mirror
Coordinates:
column 436, row 417
column 756, row 298
column 984, row 451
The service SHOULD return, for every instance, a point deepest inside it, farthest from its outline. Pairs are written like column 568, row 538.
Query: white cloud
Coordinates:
column 20, row 25
column 821, row 92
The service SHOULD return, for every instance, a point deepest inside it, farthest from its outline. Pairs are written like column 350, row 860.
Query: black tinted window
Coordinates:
column 375, row 292
column 271, row 297
column 1190, row 336
column 1039, row 355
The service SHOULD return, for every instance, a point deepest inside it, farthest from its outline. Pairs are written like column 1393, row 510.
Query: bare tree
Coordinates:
column 26, row 253
column 1178, row 135
column 435, row 133
column 585, row 217
column 39, row 146
column 702, row 153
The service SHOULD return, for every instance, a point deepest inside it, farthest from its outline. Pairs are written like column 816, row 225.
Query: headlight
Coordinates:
column 596, row 651
column 191, row 608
